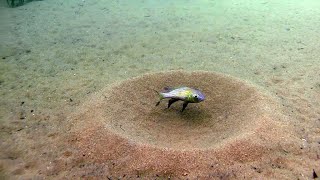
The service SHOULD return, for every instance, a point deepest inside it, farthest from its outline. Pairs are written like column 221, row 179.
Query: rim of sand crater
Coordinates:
column 233, row 110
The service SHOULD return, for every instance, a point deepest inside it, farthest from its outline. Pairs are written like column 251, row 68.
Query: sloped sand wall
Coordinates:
column 123, row 132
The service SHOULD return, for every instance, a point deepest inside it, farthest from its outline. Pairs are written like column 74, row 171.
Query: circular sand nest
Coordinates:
column 232, row 110
column 119, row 132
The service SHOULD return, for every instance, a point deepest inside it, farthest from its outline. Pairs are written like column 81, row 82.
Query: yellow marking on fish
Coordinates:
column 185, row 93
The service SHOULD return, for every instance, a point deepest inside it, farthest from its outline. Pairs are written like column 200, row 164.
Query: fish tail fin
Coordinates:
column 160, row 96
column 159, row 93
column 156, row 91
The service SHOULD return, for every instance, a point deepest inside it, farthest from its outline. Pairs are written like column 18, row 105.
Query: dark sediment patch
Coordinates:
column 123, row 133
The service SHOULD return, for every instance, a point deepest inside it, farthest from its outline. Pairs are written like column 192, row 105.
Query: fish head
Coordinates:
column 198, row 96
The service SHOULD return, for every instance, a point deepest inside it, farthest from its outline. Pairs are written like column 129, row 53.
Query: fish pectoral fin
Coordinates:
column 185, row 104
column 171, row 101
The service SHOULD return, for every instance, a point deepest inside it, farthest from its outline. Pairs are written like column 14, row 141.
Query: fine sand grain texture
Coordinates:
column 232, row 110
column 77, row 81
column 235, row 128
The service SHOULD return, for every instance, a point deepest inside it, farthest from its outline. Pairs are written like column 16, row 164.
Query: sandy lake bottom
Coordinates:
column 77, row 81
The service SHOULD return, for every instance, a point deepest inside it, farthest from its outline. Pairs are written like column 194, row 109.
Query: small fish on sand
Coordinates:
column 185, row 94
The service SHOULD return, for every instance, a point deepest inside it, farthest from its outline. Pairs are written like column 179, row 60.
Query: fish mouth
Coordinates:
column 201, row 98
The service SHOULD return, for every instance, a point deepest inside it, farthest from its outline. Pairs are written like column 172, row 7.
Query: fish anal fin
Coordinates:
column 185, row 104
column 171, row 101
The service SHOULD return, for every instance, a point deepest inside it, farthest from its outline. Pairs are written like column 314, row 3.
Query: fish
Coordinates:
column 185, row 94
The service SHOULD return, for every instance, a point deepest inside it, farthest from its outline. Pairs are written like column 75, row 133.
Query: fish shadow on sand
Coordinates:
column 191, row 115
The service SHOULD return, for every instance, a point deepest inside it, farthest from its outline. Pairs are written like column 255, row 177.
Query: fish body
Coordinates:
column 186, row 94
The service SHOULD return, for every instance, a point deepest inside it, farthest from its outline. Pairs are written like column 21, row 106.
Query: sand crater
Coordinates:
column 233, row 109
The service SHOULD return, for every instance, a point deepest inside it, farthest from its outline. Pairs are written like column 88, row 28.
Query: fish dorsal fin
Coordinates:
column 167, row 89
